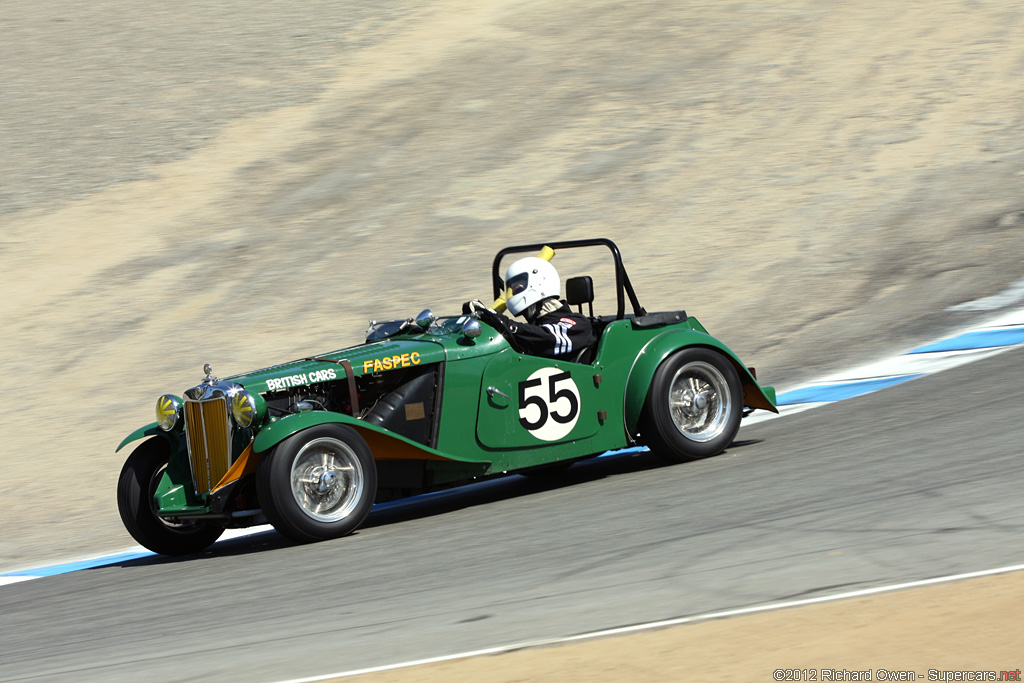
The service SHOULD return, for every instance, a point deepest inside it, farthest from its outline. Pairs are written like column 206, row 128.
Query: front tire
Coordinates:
column 318, row 484
column 135, row 489
column 693, row 406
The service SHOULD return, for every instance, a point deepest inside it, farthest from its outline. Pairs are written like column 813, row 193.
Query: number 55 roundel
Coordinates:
column 549, row 404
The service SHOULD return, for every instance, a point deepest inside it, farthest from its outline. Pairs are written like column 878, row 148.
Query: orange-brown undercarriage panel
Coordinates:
column 385, row 448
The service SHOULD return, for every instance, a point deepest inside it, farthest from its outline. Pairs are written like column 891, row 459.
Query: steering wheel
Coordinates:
column 500, row 323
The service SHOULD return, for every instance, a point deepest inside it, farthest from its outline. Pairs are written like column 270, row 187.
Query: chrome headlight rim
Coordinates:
column 244, row 410
column 168, row 412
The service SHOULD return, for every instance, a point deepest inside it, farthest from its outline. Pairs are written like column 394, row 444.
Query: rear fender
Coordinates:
column 663, row 346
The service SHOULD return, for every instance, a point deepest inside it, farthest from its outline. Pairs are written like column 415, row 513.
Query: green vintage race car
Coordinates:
column 425, row 403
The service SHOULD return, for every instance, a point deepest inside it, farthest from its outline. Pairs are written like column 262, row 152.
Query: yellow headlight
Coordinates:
column 168, row 408
column 243, row 409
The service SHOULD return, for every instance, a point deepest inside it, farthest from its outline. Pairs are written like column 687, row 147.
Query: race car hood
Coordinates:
column 366, row 359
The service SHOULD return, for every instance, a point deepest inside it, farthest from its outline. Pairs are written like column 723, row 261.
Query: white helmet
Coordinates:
column 531, row 279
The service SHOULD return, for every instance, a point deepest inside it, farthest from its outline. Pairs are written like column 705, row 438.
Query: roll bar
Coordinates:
column 623, row 287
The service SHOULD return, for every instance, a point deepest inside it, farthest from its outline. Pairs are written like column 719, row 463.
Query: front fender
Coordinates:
column 384, row 444
column 663, row 346
column 152, row 429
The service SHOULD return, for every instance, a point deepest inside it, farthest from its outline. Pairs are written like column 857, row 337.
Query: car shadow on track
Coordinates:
column 515, row 485
column 449, row 500
column 508, row 487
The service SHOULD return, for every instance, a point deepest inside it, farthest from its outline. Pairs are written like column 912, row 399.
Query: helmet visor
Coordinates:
column 518, row 283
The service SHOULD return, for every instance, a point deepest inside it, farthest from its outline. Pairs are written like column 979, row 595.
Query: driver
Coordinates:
column 552, row 329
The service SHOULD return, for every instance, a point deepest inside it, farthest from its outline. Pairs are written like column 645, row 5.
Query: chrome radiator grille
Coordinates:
column 208, row 434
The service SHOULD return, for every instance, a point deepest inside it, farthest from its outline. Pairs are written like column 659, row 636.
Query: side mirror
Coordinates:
column 471, row 328
column 425, row 319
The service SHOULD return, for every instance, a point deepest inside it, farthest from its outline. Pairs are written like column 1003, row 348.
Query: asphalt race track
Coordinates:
column 920, row 480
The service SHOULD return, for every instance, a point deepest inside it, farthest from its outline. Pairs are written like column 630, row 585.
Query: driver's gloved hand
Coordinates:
column 473, row 306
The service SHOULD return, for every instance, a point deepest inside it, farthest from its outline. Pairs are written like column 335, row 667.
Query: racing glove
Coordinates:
column 473, row 306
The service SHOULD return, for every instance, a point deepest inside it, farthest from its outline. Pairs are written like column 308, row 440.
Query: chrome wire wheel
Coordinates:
column 699, row 401
column 327, row 479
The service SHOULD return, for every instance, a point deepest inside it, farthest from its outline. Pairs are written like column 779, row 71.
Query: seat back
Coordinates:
column 580, row 290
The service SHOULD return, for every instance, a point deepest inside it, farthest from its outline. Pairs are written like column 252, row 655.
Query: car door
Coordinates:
column 533, row 402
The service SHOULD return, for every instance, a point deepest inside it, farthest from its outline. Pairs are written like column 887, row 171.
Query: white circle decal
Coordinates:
column 549, row 403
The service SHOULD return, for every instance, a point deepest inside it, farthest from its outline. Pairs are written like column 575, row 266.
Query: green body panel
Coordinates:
column 498, row 424
column 687, row 334
column 498, row 436
column 152, row 429
column 478, row 426
column 175, row 492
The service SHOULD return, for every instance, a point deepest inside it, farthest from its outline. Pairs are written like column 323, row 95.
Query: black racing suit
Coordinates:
column 561, row 333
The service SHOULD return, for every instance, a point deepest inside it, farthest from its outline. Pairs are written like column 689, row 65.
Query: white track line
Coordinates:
column 1007, row 297
column 649, row 626
column 911, row 363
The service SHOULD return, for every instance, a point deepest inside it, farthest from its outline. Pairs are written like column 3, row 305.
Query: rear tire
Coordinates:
column 135, row 488
column 318, row 484
column 693, row 407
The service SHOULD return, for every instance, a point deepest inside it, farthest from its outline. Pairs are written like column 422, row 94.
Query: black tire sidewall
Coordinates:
column 656, row 425
column 136, row 510
column 273, row 482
